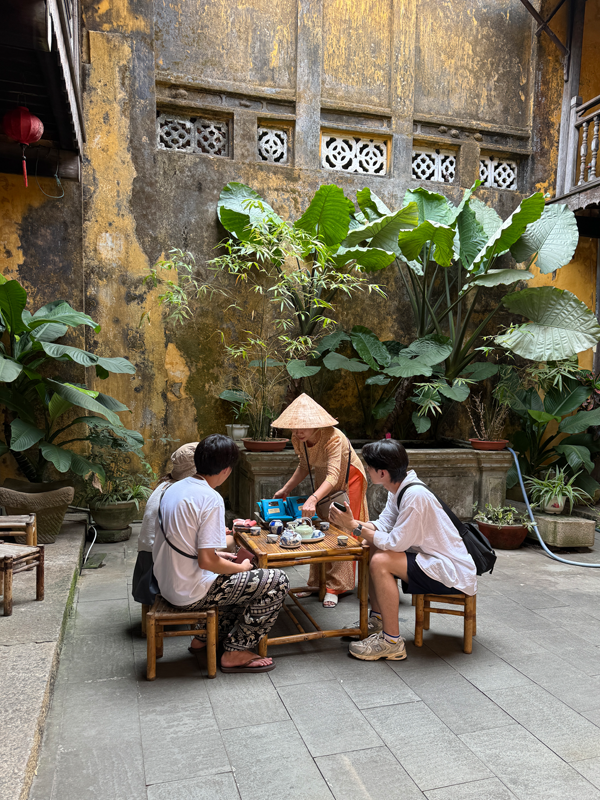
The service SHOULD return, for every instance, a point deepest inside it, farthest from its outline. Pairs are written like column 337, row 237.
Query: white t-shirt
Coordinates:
column 423, row 527
column 149, row 526
column 194, row 519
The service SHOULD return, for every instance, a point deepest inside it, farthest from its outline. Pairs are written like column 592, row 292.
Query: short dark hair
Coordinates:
column 387, row 454
column 215, row 453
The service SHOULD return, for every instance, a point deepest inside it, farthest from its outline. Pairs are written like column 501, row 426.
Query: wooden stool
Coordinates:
column 19, row 524
column 423, row 602
column 161, row 615
column 16, row 558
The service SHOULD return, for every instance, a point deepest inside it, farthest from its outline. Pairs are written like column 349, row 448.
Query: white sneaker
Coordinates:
column 375, row 625
column 375, row 647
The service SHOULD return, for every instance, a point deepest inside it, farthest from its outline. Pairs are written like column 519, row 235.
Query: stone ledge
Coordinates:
column 30, row 642
column 561, row 531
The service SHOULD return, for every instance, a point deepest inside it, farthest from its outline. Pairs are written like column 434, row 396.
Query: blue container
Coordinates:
column 273, row 509
column 293, row 506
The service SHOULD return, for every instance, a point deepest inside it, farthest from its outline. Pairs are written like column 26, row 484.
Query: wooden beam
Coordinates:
column 544, row 26
column 45, row 158
column 570, row 90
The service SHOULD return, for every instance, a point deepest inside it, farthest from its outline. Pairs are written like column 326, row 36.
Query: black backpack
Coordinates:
column 478, row 547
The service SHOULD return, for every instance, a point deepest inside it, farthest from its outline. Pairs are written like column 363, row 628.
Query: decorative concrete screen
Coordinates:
column 273, row 145
column 498, row 173
column 192, row 134
column 433, row 165
column 350, row 153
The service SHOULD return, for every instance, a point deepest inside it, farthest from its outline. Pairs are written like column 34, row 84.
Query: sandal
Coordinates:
column 198, row 649
column 309, row 593
column 247, row 668
column 330, row 600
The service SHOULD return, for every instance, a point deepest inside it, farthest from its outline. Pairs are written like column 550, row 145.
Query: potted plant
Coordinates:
column 46, row 410
column 237, row 430
column 503, row 526
column 551, row 492
column 488, row 421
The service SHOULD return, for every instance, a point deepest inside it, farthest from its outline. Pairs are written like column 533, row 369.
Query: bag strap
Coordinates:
column 458, row 524
column 312, row 485
column 160, row 520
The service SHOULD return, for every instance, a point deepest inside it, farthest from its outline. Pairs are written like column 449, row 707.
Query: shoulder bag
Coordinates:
column 478, row 547
column 340, row 496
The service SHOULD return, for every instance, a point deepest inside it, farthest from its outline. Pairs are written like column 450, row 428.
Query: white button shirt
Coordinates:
column 422, row 526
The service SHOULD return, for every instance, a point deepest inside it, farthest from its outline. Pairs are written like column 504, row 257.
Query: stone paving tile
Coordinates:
column 386, row 689
column 215, row 787
column 367, row 775
column 484, row 669
column 327, row 719
column 590, row 769
column 593, row 716
column 272, row 760
column 116, row 589
column 527, row 767
column 102, row 657
column 432, row 755
column 460, row 705
column 295, row 667
column 570, row 648
column 567, row 733
column 101, row 772
column 572, row 619
column 241, row 699
column 491, row 789
column 103, row 617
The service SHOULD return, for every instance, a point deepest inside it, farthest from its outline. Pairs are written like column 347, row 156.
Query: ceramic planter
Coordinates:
column 115, row 516
column 265, row 446
column 48, row 501
column 555, row 506
column 485, row 444
column 237, row 432
column 503, row 537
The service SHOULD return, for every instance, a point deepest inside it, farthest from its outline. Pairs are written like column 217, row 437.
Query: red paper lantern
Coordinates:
column 23, row 127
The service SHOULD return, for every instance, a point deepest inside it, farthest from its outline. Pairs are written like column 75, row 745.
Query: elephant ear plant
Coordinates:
column 41, row 408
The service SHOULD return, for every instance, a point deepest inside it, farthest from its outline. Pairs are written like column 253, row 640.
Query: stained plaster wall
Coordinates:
column 454, row 75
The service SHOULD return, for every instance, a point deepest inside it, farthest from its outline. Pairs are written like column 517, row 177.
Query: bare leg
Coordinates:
column 386, row 567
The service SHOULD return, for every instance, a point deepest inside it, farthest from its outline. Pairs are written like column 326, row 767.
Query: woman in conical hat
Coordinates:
column 325, row 449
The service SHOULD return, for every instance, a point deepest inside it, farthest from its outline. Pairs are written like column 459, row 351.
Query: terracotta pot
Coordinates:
column 485, row 444
column 503, row 537
column 265, row 446
column 114, row 516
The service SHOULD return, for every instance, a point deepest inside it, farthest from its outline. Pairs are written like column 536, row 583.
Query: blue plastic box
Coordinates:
column 273, row 509
column 293, row 506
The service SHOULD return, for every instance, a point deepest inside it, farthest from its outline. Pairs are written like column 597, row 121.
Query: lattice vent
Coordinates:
column 273, row 145
column 192, row 134
column 354, row 154
column 433, row 165
column 498, row 173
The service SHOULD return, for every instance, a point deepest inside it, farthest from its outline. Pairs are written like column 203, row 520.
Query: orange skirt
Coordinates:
column 341, row 575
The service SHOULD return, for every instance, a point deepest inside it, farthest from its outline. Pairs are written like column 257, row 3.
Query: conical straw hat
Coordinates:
column 304, row 413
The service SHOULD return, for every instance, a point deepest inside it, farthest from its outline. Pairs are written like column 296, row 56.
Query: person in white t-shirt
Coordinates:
column 417, row 543
column 192, row 574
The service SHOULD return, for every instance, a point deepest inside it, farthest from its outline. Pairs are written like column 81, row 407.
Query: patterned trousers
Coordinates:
column 248, row 603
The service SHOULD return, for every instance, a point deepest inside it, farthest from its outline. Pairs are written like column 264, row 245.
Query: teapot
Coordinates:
column 305, row 529
column 290, row 538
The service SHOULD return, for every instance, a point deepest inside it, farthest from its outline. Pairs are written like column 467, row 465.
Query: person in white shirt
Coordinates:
column 191, row 574
column 417, row 543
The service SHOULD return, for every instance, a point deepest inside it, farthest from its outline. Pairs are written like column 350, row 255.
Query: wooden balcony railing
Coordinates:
column 582, row 154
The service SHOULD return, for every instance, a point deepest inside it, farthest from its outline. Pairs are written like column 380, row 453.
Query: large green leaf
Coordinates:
column 543, row 417
column 441, row 236
column 371, row 205
column 327, row 216
column 59, row 457
column 9, row 370
column 299, row 369
column 118, row 365
column 80, row 397
column 480, row 370
column 371, row 259
column 377, row 380
column 133, row 439
column 580, row 422
column 332, row 341
column 369, row 348
column 421, row 423
column 409, row 367
column 486, row 216
column 24, row 435
column 561, row 325
column 431, row 206
column 81, row 466
column 52, row 317
column 384, row 408
column 337, row 361
column 459, row 391
column 563, row 402
column 432, row 349
column 552, row 239
column 111, row 403
column 383, row 232
column 58, row 406
column 578, row 457
column 234, row 209
column 471, row 236
column 529, row 210
column 235, row 396
column 13, row 299
column 494, row 277
column 587, row 483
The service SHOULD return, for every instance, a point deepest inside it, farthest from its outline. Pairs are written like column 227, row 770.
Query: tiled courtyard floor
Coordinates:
column 519, row 718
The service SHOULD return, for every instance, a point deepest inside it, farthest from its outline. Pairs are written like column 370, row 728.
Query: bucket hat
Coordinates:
column 183, row 461
column 304, row 413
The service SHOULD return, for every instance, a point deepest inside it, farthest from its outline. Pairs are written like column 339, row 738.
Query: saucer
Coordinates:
column 290, row 546
column 313, row 539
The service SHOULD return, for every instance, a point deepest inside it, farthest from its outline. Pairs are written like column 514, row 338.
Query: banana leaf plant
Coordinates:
column 39, row 421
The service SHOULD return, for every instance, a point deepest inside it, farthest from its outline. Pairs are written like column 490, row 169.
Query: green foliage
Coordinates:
column 555, row 485
column 502, row 515
column 37, row 400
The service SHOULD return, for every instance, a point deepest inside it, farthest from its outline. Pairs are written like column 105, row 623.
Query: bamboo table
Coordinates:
column 321, row 553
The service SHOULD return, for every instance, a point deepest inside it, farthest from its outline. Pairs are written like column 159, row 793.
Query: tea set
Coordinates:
column 296, row 532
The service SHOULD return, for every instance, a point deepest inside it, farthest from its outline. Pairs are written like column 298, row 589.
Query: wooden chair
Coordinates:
column 162, row 615
column 423, row 610
column 19, row 525
column 15, row 558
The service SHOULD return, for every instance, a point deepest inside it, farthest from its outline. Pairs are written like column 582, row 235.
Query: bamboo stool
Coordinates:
column 162, row 615
column 19, row 524
column 16, row 558
column 423, row 610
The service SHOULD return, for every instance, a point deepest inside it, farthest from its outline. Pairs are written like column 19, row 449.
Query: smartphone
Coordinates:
column 339, row 506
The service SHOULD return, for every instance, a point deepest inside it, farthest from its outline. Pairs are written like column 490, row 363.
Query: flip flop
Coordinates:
column 246, row 668
column 195, row 650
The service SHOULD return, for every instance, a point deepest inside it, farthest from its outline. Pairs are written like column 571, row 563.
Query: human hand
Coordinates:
column 342, row 519
column 280, row 495
column 309, row 508
column 246, row 565
column 227, row 556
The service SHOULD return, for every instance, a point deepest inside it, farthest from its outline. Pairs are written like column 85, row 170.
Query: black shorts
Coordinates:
column 420, row 583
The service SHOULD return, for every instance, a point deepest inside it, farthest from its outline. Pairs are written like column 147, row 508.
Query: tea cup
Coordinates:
column 324, row 526
column 342, row 540
column 255, row 530
column 272, row 538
